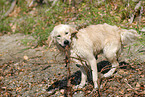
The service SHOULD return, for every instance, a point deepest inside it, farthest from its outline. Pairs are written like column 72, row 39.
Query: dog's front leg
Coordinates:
column 83, row 77
column 83, row 70
column 92, row 62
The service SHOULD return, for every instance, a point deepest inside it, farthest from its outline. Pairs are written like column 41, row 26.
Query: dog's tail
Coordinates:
column 128, row 36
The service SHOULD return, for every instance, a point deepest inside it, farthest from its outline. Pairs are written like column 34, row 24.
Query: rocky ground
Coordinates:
column 26, row 70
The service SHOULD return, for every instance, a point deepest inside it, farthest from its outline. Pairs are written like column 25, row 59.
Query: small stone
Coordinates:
column 1, row 78
column 62, row 91
column 137, row 85
column 25, row 57
column 57, row 92
column 49, row 92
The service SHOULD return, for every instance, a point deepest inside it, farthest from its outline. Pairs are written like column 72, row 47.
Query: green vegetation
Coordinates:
column 39, row 22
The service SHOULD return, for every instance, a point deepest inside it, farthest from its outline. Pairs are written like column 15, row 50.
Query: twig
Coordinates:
column 54, row 2
column 52, row 92
column 31, row 3
column 125, row 80
column 107, row 67
column 83, row 62
column 99, row 84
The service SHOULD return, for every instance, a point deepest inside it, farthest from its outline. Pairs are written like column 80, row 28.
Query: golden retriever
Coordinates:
column 88, row 42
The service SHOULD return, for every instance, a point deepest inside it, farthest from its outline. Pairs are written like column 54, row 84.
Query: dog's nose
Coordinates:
column 66, row 42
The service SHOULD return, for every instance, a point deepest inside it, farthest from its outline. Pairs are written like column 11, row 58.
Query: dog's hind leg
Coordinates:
column 110, row 72
column 93, row 64
column 119, row 52
column 110, row 52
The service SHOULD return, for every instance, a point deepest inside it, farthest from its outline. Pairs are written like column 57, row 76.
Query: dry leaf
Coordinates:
column 121, row 92
column 0, row 54
column 121, row 71
column 14, row 27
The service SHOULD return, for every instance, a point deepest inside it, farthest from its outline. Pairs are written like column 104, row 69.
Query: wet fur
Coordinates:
column 91, row 41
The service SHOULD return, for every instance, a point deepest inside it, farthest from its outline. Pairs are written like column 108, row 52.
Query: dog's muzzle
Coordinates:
column 65, row 43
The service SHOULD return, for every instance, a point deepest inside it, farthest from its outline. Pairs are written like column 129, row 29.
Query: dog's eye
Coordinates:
column 66, row 32
column 58, row 36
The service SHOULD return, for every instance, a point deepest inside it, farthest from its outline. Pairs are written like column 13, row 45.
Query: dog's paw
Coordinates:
column 107, row 75
column 79, row 86
column 95, row 85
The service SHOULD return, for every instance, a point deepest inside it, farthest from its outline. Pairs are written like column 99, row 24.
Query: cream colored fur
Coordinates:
column 91, row 41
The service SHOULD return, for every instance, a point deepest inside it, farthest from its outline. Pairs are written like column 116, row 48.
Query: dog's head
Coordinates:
column 62, row 34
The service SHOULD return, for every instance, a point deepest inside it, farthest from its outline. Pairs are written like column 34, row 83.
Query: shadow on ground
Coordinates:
column 76, row 77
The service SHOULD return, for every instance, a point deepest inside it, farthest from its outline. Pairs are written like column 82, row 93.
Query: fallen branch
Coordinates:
column 68, row 90
column 9, row 11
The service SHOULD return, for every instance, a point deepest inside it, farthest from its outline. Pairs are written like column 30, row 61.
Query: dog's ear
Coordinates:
column 50, row 38
column 73, row 31
column 74, row 34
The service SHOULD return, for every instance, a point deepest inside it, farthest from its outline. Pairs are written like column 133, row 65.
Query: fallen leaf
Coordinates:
column 142, row 87
column 137, row 85
column 121, row 71
column 13, row 27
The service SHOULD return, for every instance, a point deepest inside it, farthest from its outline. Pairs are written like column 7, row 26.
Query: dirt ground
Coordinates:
column 29, row 71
